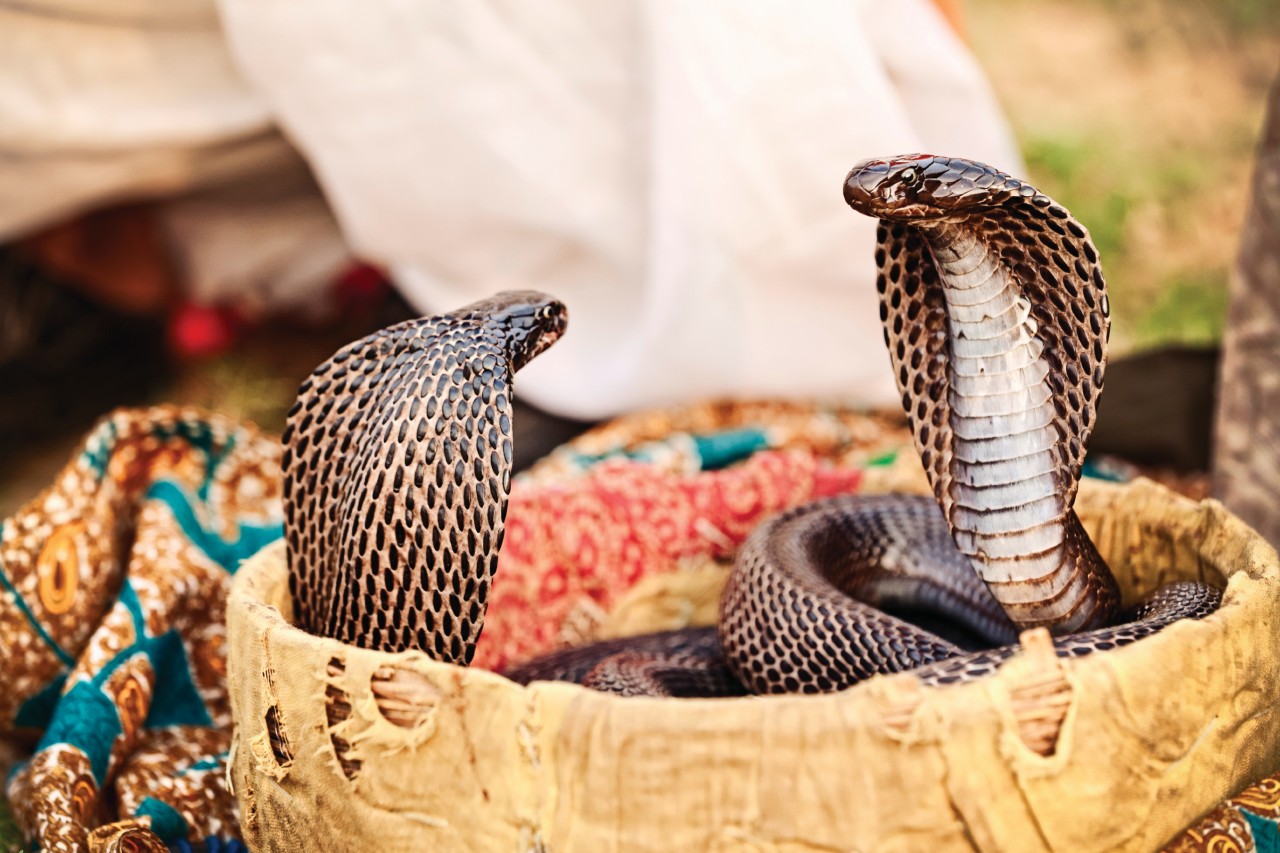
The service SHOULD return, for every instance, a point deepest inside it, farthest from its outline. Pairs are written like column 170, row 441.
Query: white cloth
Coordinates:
column 266, row 244
column 119, row 98
column 106, row 100
column 672, row 171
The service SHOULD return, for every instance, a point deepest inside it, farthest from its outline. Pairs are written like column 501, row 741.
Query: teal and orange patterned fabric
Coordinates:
column 1247, row 823
column 112, row 625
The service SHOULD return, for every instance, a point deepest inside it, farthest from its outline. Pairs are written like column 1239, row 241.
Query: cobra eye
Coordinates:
column 909, row 177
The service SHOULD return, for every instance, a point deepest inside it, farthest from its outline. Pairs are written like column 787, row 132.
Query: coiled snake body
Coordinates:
column 995, row 316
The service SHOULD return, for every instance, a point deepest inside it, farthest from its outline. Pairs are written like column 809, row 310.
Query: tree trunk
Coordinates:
column 1247, row 444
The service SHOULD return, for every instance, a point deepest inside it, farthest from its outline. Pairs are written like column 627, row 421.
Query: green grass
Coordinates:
column 1239, row 16
column 1142, row 118
column 1083, row 176
column 1156, row 302
column 1235, row 17
column 1190, row 310
column 10, row 837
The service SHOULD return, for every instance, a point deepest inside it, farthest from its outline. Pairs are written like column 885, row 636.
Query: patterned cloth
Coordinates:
column 1247, row 823
column 113, row 583
column 112, row 624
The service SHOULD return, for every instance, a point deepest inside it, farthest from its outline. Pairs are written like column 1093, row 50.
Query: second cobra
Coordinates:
column 996, row 318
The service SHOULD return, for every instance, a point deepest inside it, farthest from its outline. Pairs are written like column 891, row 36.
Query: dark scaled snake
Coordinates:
column 995, row 314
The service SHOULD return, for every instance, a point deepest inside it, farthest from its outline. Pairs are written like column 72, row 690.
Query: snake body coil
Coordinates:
column 995, row 316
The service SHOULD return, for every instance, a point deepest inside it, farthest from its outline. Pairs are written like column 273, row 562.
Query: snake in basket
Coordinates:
column 398, row 455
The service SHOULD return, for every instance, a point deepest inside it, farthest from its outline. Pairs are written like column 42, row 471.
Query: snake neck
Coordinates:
column 397, row 468
column 1005, row 502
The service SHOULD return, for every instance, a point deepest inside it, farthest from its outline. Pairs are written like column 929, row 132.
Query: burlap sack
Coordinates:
column 338, row 748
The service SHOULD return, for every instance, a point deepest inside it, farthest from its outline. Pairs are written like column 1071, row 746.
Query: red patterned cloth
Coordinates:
column 588, row 541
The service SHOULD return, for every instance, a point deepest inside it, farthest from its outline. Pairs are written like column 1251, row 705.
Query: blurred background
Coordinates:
column 1141, row 116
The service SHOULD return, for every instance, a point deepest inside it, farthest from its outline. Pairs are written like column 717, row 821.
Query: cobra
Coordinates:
column 397, row 466
column 995, row 316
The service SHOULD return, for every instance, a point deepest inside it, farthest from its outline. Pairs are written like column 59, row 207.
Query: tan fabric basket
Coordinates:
column 339, row 748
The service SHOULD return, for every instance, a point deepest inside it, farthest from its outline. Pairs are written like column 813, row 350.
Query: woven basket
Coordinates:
column 359, row 750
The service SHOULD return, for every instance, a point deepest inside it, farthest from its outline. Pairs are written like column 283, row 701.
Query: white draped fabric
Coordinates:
column 672, row 171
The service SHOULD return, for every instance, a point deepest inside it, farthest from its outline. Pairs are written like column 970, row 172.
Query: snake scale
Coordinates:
column 397, row 465
column 995, row 316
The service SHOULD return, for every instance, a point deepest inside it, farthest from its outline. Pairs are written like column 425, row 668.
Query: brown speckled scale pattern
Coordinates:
column 1047, row 258
column 800, row 614
column 1182, row 600
column 687, row 662
column 397, row 468
column 789, row 624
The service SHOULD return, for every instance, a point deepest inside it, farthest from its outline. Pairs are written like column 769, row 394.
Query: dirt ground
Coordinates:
column 1138, row 115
